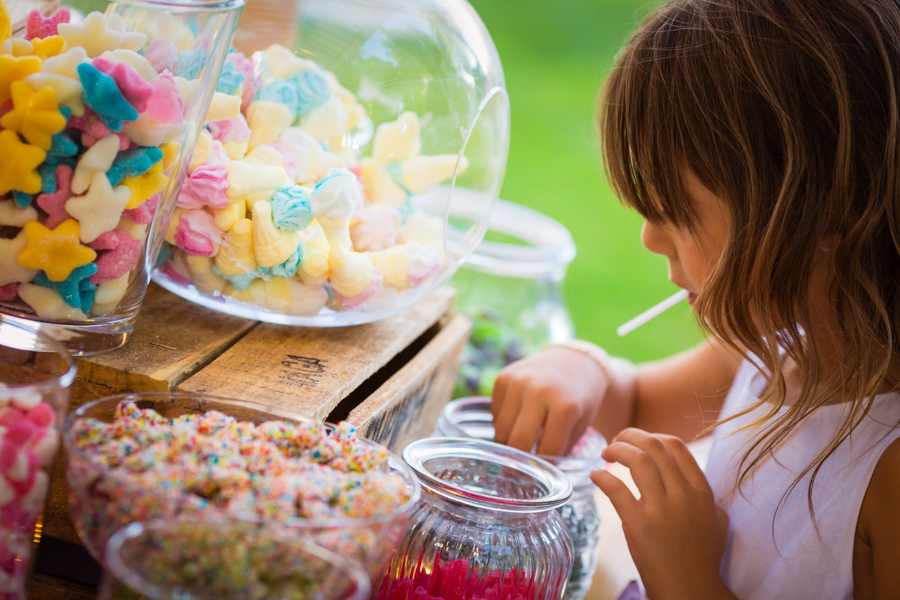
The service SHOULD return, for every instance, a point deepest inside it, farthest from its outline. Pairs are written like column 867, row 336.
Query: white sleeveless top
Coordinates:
column 795, row 564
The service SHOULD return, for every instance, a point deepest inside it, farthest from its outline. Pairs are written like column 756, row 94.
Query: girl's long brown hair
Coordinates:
column 789, row 111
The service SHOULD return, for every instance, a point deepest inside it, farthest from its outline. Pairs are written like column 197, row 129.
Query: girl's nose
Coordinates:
column 656, row 240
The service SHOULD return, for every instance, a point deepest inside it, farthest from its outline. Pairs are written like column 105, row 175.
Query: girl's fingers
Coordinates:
column 626, row 505
column 654, row 446
column 498, row 395
column 577, row 431
column 528, row 424
column 511, row 405
column 555, row 438
column 685, row 462
column 643, row 468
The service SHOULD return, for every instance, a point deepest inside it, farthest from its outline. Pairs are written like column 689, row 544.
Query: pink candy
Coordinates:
column 373, row 231
column 143, row 214
column 163, row 54
column 122, row 254
column 252, row 83
column 290, row 160
column 205, row 187
column 197, row 233
column 373, row 288
column 134, row 88
column 8, row 292
column 54, row 204
column 165, row 104
column 37, row 26
column 230, row 130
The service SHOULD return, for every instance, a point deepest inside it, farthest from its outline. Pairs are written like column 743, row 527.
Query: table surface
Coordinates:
column 615, row 567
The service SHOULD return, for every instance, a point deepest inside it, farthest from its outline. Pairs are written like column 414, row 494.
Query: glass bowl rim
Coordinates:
column 136, row 582
column 344, row 522
column 58, row 382
column 193, row 5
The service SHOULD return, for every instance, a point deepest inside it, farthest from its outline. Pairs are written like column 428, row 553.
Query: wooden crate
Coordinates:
column 390, row 378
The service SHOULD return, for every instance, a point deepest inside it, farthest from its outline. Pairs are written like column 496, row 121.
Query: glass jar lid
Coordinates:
column 480, row 474
column 471, row 417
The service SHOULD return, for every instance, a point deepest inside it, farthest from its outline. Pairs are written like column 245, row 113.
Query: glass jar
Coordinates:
column 109, row 100
column 200, row 561
column 486, row 526
column 511, row 286
column 325, row 203
column 471, row 417
column 35, row 375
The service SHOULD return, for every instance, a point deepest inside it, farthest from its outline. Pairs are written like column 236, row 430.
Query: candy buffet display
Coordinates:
column 201, row 561
column 486, row 526
column 303, row 208
column 511, row 286
column 471, row 417
column 98, row 113
column 185, row 457
column 35, row 375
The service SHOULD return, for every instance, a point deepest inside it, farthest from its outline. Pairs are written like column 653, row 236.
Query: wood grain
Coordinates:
column 45, row 587
column 309, row 370
column 173, row 338
column 406, row 407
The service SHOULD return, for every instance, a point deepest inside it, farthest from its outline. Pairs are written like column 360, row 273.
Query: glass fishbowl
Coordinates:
column 331, row 199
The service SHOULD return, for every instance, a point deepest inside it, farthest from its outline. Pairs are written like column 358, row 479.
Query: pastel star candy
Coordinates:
column 131, row 40
column 56, row 252
column 48, row 304
column 10, row 269
column 14, row 69
column 103, row 96
column 54, row 204
column 17, row 47
column 92, row 34
column 119, row 255
column 100, row 209
column 68, row 91
column 35, row 114
column 47, row 47
column 131, row 58
column 145, row 186
column 20, row 174
column 22, row 199
column 98, row 158
column 39, row 26
column 163, row 54
column 76, row 290
column 134, row 88
column 132, row 163
column 109, row 294
column 143, row 214
column 66, row 64
column 13, row 215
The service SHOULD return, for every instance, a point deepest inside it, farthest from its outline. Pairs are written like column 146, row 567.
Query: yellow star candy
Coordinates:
column 17, row 47
column 145, row 186
column 14, row 68
column 19, row 174
column 35, row 114
column 5, row 22
column 57, row 252
column 47, row 47
column 170, row 153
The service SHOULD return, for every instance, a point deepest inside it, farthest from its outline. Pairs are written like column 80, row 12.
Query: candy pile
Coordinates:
column 454, row 580
column 28, row 442
column 90, row 115
column 143, row 466
column 281, row 211
column 493, row 345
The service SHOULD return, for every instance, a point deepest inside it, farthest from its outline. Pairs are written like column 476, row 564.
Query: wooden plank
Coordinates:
column 310, row 370
column 406, row 407
column 45, row 587
column 173, row 338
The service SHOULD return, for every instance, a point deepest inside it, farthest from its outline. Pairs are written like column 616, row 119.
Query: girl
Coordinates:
column 760, row 140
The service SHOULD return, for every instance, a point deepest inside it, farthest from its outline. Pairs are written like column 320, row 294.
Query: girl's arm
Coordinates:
column 876, row 551
column 553, row 396
column 678, row 396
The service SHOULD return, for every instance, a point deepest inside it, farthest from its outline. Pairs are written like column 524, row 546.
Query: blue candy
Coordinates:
column 312, row 90
column 229, row 80
column 104, row 98
column 238, row 282
column 77, row 290
column 165, row 253
column 22, row 199
column 47, row 171
column 288, row 268
column 290, row 208
column 62, row 145
column 282, row 92
column 132, row 163
column 189, row 63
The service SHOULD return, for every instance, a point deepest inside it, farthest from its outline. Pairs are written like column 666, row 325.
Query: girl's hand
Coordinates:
column 552, row 396
column 675, row 532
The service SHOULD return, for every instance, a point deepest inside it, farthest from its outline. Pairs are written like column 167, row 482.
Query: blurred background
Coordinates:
column 556, row 55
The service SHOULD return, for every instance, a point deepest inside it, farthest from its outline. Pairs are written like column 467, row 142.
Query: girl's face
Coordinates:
column 692, row 256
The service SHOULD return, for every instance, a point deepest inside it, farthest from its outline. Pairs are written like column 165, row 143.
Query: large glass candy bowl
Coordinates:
column 100, row 106
column 330, row 200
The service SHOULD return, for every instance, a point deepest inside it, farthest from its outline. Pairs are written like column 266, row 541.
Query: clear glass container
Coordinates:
column 123, row 89
column 200, row 561
column 103, row 499
column 471, row 417
column 326, row 202
column 486, row 527
column 35, row 375
column 511, row 287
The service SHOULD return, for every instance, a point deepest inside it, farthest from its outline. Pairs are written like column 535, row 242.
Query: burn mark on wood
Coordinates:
column 388, row 426
column 304, row 371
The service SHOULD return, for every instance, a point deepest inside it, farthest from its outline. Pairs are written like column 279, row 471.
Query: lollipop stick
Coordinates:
column 651, row 313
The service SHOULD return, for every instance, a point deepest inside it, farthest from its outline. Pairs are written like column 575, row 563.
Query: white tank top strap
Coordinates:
column 774, row 549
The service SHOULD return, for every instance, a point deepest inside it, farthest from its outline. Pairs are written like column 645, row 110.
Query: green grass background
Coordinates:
column 556, row 55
